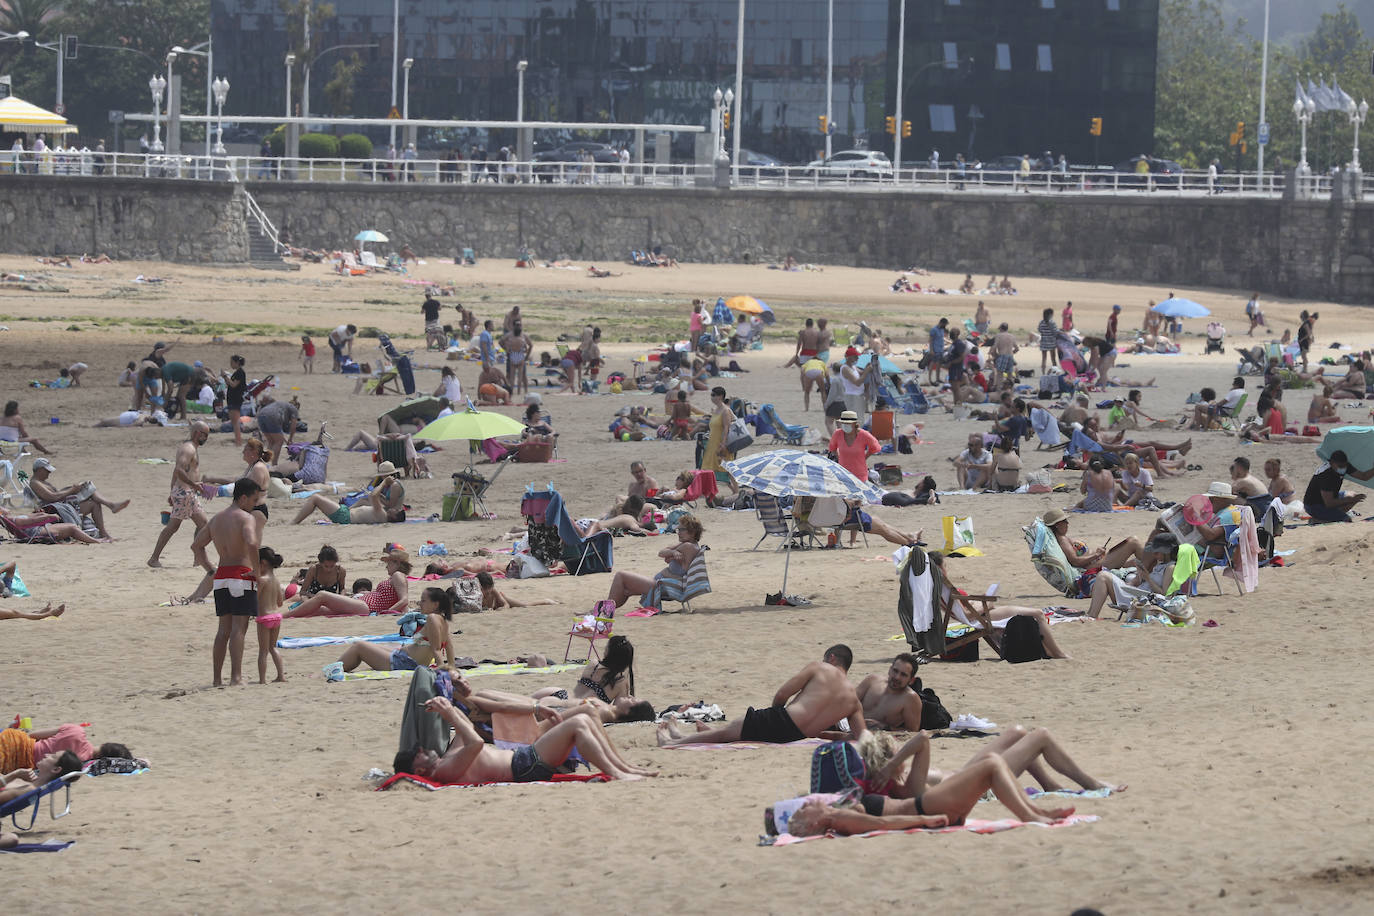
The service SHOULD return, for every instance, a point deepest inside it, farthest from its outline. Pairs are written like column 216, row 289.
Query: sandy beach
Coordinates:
column 1243, row 744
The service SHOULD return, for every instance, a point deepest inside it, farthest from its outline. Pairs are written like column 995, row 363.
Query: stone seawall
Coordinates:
column 147, row 219
column 1313, row 249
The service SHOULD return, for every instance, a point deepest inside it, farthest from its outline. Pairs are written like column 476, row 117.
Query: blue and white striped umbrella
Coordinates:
column 788, row 472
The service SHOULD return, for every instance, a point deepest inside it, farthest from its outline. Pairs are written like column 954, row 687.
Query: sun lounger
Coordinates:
column 28, row 804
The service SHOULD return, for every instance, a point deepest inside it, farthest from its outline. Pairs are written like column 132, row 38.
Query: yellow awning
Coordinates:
column 23, row 117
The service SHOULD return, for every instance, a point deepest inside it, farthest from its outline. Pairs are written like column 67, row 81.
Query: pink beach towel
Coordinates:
column 969, row 826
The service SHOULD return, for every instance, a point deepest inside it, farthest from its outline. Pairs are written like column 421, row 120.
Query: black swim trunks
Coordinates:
column 261, row 507
column 772, row 725
column 245, row 605
column 526, row 766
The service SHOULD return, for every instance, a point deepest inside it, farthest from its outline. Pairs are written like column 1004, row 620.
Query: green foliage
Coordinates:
column 355, row 146
column 277, row 140
column 339, row 90
column 319, row 146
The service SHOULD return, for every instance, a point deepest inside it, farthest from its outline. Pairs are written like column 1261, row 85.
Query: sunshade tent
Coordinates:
column 1358, row 444
column 1175, row 307
column 788, row 472
column 751, row 306
column 19, row 116
column 427, row 408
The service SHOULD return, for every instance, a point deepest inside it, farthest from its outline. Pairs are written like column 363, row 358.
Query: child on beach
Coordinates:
column 307, row 354
column 269, row 619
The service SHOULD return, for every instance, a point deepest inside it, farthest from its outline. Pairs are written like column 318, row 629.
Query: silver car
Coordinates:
column 853, row 163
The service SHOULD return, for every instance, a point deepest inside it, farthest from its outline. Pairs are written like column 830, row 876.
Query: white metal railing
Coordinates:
column 401, row 172
column 256, row 213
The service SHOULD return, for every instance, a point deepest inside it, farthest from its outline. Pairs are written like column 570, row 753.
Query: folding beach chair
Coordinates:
column 789, row 433
column 36, row 533
column 30, row 802
column 882, row 425
column 1048, row 559
column 777, row 521
column 369, row 260
column 599, row 627
column 1216, row 338
column 13, row 478
column 834, row 512
column 378, row 384
column 692, row 585
column 968, row 616
column 469, row 257
column 395, row 451
column 400, row 361
column 1173, row 521
column 469, row 488
column 580, row 555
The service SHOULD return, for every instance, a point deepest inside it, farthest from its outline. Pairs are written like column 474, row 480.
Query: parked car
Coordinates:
column 1159, row 168
column 760, row 164
column 548, row 163
column 853, row 163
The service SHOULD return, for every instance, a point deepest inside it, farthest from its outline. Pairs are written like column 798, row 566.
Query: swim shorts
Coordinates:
column 1005, row 362
column 526, row 766
column 236, row 592
column 400, row 661
column 834, row 409
column 261, row 507
column 185, row 503
column 490, row 391
column 772, row 725
column 341, row 516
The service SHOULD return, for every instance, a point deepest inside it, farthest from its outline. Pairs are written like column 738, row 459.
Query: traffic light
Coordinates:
column 821, row 118
column 906, row 128
column 69, row 46
column 1238, row 137
column 891, row 123
column 1095, row 127
column 725, row 119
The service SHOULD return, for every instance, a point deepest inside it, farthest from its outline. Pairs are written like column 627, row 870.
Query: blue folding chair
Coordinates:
column 30, row 802
column 782, row 432
column 580, row 555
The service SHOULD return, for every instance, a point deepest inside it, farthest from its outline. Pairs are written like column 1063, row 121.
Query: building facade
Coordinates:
column 661, row 60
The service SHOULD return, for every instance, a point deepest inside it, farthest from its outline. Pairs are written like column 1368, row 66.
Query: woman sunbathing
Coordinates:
column 609, row 679
column 51, row 526
column 49, row 611
column 623, row 516
column 390, row 597
column 679, row 557
column 428, row 640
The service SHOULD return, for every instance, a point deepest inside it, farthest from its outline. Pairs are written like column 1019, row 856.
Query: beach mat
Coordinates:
column 969, row 826
column 406, row 778
column 745, row 745
column 310, row 642
column 45, row 846
column 479, row 671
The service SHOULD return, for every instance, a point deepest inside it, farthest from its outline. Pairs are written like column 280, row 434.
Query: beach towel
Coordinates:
column 919, row 583
column 1069, row 793
column 407, row 778
column 311, row 642
column 45, row 846
column 745, row 745
column 479, row 671
column 1046, row 426
column 971, row 825
column 1185, row 567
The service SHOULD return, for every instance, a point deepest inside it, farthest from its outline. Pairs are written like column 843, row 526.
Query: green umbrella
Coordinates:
column 472, row 424
column 427, row 408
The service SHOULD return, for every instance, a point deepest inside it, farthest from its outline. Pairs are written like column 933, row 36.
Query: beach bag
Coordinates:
column 1041, row 481
column 933, row 712
column 467, row 596
column 737, row 437
column 837, row 767
column 959, row 536
column 525, row 566
column 1022, row 642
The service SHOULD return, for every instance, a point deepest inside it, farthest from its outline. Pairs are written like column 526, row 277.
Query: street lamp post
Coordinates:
column 290, row 62
column 1303, row 109
column 738, row 94
column 1357, row 114
column 405, row 99
column 520, row 69
column 155, row 85
column 209, row 55
column 829, row 72
column 395, row 54
column 718, row 138
column 897, row 120
column 220, row 87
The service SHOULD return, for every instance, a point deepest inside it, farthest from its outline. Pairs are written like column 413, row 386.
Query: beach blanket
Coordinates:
column 310, row 642
column 1069, row 793
column 115, row 766
column 45, row 846
column 971, row 825
column 746, row 745
column 479, row 671
column 406, row 778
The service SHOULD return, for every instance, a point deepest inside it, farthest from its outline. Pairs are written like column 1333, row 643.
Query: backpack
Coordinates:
column 836, row 767
column 1022, row 642
column 933, row 713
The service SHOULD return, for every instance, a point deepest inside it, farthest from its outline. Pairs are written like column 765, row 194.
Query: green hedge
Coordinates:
column 355, row 146
column 319, row 146
column 277, row 141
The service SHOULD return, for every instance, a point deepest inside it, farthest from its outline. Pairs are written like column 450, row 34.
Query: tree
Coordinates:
column 303, row 17
column 339, row 90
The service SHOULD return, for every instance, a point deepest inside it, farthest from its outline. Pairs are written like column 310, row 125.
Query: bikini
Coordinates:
column 595, row 687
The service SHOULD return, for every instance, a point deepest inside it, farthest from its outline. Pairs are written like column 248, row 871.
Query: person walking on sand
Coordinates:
column 235, row 536
column 185, row 496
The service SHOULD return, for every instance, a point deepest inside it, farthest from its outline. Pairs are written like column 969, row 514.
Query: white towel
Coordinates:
column 922, row 603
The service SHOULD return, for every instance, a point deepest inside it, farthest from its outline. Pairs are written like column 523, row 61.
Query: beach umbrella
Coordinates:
column 885, row 365
column 788, row 472
column 1174, row 307
column 1358, row 444
column 427, row 408
column 472, row 424
column 370, row 235
column 751, row 306
column 21, row 117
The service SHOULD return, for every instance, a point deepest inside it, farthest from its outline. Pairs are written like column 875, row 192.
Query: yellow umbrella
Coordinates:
column 746, row 304
column 19, row 116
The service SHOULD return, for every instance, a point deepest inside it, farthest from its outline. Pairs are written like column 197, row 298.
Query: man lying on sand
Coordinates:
column 470, row 759
column 820, row 696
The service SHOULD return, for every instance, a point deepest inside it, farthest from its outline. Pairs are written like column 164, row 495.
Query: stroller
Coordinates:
column 1216, row 338
column 1252, row 360
column 401, row 363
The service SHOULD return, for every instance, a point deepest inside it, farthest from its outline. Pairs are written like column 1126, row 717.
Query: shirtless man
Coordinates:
column 235, row 534
column 82, row 496
column 185, row 495
column 825, row 341
column 1243, row 483
column 469, row 759
column 890, row 703
column 820, row 696
column 1004, row 348
column 492, row 387
column 1280, row 487
column 808, row 344
column 374, row 513
column 1077, row 412
column 641, row 484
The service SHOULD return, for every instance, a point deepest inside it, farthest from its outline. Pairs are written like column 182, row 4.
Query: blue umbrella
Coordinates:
column 788, row 472
column 370, row 235
column 885, row 365
column 1175, row 307
column 1358, row 444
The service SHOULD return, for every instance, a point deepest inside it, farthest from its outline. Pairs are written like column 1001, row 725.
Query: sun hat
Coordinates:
column 399, row 554
column 849, row 416
column 386, row 469
column 43, row 464
column 1217, row 489
column 1053, row 517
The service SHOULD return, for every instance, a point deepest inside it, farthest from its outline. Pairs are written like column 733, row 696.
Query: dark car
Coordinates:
column 760, row 164
column 549, row 163
column 1004, row 169
column 1159, row 169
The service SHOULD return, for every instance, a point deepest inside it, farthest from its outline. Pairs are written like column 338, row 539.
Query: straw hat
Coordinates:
column 1054, row 517
column 387, row 469
column 1218, row 489
column 398, row 554
column 849, row 416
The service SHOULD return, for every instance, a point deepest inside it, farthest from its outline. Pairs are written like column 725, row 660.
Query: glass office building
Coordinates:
column 1041, row 68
